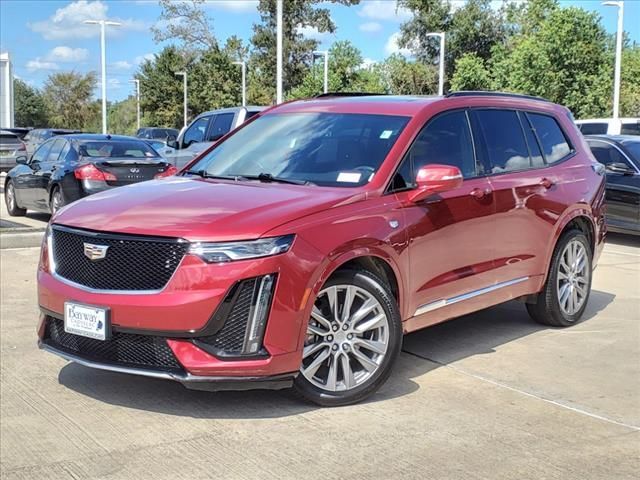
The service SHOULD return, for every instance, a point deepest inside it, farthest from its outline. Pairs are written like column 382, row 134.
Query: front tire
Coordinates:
column 11, row 201
column 354, row 337
column 566, row 292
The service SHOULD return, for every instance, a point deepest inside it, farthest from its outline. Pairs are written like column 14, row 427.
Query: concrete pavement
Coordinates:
column 487, row 396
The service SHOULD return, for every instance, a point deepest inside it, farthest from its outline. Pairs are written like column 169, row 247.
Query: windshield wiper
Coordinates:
column 204, row 174
column 268, row 178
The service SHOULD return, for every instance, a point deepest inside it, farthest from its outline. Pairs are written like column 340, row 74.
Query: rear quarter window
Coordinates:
column 555, row 145
column 630, row 129
column 593, row 128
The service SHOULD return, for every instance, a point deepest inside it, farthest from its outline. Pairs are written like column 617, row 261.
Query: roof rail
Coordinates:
column 346, row 94
column 480, row 93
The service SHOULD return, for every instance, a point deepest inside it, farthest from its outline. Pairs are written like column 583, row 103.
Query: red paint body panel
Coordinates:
column 444, row 246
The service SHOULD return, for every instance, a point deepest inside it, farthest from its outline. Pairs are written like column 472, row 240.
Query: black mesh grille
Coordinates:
column 131, row 262
column 124, row 349
column 231, row 336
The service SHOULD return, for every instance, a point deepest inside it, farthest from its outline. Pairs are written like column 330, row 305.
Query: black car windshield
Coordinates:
column 115, row 149
column 327, row 149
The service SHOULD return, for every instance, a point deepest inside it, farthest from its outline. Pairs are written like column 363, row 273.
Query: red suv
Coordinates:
column 300, row 248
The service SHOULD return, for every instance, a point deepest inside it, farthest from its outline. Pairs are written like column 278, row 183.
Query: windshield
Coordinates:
column 327, row 149
column 115, row 149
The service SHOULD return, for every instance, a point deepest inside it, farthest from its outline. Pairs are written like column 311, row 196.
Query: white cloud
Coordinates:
column 384, row 10
column 68, row 54
column 39, row 64
column 121, row 65
column 367, row 63
column 313, row 33
column 370, row 27
column 234, row 6
column 112, row 84
column 67, row 22
column 140, row 59
column 392, row 46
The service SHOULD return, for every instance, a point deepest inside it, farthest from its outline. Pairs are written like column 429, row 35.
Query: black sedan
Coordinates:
column 620, row 154
column 66, row 168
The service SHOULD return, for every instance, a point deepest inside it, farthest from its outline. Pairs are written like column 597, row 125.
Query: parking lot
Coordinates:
column 490, row 395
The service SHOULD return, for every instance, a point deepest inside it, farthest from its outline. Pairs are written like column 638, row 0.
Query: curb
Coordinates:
column 21, row 239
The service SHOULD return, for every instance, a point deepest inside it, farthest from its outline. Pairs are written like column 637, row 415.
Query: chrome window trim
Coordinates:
column 445, row 302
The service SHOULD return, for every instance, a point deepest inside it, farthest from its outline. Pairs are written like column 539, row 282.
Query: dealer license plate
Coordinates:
column 86, row 320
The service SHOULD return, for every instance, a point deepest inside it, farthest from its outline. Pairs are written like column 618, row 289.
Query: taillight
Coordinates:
column 90, row 172
column 171, row 170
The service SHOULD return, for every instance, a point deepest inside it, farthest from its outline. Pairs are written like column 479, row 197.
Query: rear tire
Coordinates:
column 565, row 295
column 354, row 337
column 11, row 201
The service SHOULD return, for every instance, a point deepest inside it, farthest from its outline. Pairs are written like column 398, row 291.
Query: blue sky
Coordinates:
column 46, row 36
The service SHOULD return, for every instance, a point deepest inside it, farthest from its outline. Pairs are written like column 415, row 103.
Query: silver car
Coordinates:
column 11, row 147
column 205, row 130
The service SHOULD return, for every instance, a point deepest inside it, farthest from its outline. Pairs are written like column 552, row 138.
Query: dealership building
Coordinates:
column 6, row 91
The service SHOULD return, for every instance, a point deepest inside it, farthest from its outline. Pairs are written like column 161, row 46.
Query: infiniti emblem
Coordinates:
column 95, row 252
column 134, row 170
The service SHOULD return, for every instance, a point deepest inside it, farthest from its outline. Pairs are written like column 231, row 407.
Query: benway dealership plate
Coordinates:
column 86, row 320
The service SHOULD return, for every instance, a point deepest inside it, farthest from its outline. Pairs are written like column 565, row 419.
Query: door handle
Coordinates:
column 480, row 193
column 546, row 183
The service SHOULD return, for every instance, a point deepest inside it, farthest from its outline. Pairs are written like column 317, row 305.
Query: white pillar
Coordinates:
column 441, row 79
column 326, row 71
column 104, row 76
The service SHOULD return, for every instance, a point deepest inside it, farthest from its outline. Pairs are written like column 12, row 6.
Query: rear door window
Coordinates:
column 220, row 126
column 537, row 160
column 593, row 128
column 630, row 129
column 41, row 152
column 502, row 139
column 554, row 144
column 606, row 153
column 56, row 148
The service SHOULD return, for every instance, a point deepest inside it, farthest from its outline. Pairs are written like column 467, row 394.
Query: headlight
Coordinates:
column 232, row 251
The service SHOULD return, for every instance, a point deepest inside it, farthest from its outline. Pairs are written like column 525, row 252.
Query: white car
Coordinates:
column 609, row 126
column 206, row 129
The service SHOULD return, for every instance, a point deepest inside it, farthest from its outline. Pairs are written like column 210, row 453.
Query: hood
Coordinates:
column 199, row 210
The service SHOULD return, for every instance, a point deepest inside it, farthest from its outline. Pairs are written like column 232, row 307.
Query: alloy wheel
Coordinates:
column 347, row 338
column 573, row 277
column 56, row 201
column 11, row 197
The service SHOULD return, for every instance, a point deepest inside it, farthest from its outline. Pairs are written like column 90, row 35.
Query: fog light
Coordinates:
column 258, row 316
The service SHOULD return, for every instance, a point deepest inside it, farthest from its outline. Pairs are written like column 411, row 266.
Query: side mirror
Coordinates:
column 22, row 160
column 172, row 141
column 619, row 167
column 435, row 179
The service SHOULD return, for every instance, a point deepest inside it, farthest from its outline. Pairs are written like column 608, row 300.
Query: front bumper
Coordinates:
column 192, row 382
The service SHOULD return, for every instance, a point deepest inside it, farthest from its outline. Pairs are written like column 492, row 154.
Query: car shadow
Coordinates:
column 623, row 239
column 476, row 334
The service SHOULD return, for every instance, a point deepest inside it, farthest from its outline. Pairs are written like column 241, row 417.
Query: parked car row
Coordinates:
column 11, row 147
column 300, row 248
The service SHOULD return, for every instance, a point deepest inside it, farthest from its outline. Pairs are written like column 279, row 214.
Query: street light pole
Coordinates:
column 103, row 24
column 137, row 82
column 184, row 85
column 325, row 54
column 618, row 67
column 441, row 75
column 244, row 80
column 279, row 7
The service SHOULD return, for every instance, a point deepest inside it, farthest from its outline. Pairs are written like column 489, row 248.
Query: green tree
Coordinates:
column 470, row 74
column 122, row 117
column 187, row 22
column 346, row 74
column 565, row 60
column 400, row 76
column 30, row 107
column 68, row 98
column 473, row 28
column 630, row 85
column 161, row 90
column 214, row 82
column 297, row 50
